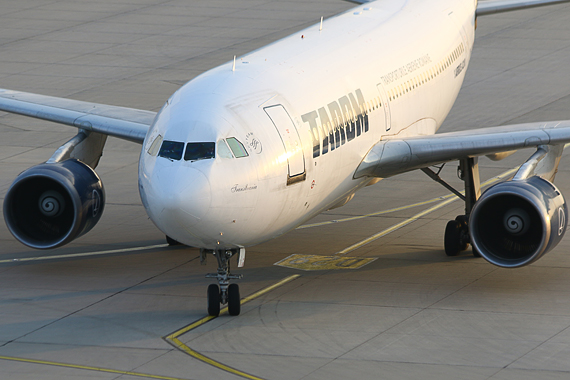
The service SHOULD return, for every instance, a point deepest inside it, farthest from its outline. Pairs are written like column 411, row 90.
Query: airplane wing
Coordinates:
column 497, row 6
column 390, row 157
column 489, row 7
column 125, row 123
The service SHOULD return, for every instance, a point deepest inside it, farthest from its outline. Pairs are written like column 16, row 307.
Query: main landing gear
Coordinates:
column 456, row 238
column 224, row 293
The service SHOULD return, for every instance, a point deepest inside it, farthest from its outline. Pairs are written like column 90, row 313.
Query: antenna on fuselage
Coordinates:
column 234, row 66
column 321, row 27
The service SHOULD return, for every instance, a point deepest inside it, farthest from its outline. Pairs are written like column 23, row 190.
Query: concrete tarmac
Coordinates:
column 410, row 313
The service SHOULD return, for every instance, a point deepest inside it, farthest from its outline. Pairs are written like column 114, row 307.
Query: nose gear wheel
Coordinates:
column 213, row 300
column 225, row 293
column 234, row 306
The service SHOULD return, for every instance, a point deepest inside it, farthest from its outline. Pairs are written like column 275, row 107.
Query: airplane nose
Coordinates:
column 186, row 196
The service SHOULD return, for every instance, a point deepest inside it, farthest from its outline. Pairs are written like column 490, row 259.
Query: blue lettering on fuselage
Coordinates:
column 338, row 123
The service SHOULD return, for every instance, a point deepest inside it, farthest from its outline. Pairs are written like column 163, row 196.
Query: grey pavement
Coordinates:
column 413, row 313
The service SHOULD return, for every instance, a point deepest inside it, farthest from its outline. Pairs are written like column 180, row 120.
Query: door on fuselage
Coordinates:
column 291, row 142
column 385, row 106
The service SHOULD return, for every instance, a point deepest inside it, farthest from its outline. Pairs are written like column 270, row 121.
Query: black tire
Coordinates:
column 464, row 234
column 234, row 303
column 213, row 300
column 452, row 238
column 475, row 251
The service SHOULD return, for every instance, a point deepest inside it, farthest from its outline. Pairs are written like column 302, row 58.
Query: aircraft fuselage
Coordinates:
column 238, row 156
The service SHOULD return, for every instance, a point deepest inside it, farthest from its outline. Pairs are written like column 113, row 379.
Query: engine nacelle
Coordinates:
column 515, row 223
column 49, row 205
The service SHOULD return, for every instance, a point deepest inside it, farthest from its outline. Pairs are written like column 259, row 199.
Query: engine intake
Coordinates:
column 49, row 205
column 517, row 222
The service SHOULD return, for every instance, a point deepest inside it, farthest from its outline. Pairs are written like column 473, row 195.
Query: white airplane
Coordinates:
column 255, row 147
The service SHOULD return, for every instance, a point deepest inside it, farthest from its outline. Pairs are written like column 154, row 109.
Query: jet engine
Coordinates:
column 515, row 223
column 51, row 204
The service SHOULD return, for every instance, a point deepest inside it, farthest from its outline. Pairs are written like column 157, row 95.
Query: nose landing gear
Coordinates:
column 225, row 293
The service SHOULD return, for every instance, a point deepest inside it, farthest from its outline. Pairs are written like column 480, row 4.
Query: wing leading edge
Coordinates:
column 125, row 123
column 390, row 157
column 490, row 7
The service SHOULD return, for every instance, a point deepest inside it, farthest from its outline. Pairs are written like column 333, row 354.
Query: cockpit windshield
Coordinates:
column 199, row 151
column 171, row 150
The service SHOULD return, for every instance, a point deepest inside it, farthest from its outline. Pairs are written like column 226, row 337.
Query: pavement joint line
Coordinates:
column 451, row 198
column 85, row 254
column 89, row 368
column 173, row 338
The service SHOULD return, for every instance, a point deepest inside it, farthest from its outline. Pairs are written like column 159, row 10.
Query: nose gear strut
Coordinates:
column 225, row 293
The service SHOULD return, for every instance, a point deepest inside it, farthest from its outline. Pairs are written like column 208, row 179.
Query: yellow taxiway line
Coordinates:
column 88, row 368
column 423, row 203
column 395, row 227
column 173, row 338
column 451, row 198
column 374, row 213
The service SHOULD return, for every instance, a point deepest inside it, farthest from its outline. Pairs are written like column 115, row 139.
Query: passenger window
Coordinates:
column 171, row 150
column 237, row 148
column 153, row 150
column 199, row 151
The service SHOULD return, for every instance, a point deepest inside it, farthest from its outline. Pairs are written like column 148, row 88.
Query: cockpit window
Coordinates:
column 237, row 148
column 153, row 150
column 199, row 151
column 223, row 150
column 171, row 150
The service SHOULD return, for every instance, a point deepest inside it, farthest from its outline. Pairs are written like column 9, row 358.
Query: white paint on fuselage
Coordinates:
column 414, row 49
